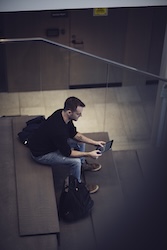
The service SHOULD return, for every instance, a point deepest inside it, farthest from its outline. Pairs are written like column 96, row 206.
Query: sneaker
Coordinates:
column 92, row 188
column 91, row 167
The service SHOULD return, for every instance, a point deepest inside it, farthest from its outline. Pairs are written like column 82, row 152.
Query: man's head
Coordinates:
column 73, row 108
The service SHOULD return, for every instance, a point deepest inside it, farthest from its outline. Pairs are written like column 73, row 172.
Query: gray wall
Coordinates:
column 132, row 36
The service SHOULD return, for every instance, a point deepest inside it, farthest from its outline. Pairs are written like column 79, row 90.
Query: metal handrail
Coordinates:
column 120, row 65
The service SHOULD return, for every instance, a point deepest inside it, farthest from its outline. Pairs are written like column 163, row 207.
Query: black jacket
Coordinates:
column 52, row 135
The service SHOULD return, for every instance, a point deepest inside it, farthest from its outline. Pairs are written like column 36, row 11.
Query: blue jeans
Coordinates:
column 56, row 158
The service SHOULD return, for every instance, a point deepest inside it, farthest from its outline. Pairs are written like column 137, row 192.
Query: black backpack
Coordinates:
column 30, row 128
column 75, row 201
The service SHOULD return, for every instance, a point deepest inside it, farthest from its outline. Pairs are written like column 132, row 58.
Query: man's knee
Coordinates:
column 76, row 161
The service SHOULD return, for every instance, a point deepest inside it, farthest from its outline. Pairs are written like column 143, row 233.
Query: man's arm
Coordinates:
column 82, row 138
column 78, row 154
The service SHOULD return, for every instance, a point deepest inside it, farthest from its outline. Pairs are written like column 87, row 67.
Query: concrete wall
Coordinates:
column 159, row 131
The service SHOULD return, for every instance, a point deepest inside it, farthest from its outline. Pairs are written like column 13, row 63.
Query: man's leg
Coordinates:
column 56, row 158
column 79, row 146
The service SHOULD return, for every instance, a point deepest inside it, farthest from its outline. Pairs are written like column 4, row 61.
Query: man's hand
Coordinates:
column 95, row 154
column 100, row 143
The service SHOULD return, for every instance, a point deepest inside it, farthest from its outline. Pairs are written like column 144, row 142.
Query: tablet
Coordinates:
column 106, row 147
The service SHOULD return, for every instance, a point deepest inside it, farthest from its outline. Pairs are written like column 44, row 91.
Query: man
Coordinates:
column 57, row 142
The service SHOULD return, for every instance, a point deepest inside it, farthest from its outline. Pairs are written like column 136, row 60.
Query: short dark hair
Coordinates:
column 72, row 103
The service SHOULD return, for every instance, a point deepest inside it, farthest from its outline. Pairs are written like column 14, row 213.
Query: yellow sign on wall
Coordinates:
column 100, row 11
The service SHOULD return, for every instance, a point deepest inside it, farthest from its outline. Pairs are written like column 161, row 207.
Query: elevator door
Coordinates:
column 102, row 36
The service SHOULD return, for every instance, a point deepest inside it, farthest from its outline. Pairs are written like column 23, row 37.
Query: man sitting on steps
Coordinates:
column 57, row 142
